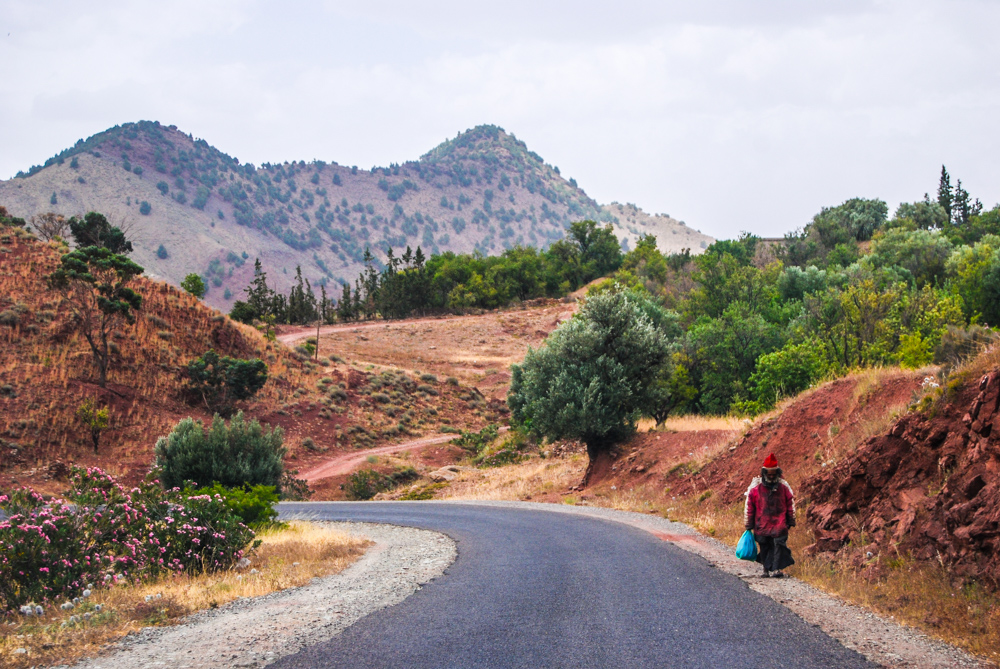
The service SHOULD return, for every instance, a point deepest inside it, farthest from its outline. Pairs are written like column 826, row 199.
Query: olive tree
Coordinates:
column 594, row 376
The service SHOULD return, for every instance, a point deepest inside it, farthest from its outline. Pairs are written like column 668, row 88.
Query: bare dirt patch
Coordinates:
column 477, row 349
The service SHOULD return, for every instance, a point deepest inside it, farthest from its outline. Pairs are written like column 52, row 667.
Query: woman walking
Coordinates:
column 769, row 514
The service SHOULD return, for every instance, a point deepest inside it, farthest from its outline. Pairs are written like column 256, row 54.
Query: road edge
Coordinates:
column 880, row 640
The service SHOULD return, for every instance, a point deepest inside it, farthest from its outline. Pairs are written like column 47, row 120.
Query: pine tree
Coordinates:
column 345, row 308
column 945, row 195
column 961, row 207
column 260, row 298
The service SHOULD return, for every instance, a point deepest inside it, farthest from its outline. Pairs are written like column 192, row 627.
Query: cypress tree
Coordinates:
column 945, row 195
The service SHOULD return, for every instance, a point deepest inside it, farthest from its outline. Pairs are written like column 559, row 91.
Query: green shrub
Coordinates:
column 366, row 483
column 254, row 505
column 194, row 285
column 221, row 381
column 240, row 453
column 476, row 442
column 505, row 456
column 785, row 372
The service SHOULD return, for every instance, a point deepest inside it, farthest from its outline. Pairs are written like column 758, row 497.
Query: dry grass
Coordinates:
column 49, row 366
column 922, row 595
column 287, row 558
column 465, row 348
column 536, row 476
column 695, row 423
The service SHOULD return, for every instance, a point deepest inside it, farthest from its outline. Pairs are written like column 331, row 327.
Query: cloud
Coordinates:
column 730, row 115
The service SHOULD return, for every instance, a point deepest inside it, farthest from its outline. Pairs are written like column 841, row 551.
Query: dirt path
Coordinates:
column 348, row 462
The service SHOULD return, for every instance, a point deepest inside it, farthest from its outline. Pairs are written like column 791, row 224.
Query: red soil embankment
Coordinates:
column 927, row 486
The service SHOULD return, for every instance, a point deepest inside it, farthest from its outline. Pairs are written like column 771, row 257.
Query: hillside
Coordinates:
column 483, row 190
column 46, row 373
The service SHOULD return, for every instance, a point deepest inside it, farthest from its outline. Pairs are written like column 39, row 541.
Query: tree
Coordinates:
column 945, row 196
column 53, row 200
column 96, row 282
column 234, row 455
column 163, row 187
column 161, row 252
column 856, row 219
column 594, row 376
column 49, row 226
column 194, row 285
column 786, row 372
column 221, row 381
column 922, row 253
column 925, row 215
column 145, row 208
column 95, row 230
column 95, row 420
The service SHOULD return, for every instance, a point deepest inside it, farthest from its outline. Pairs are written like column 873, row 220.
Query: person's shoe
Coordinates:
column 778, row 574
column 767, row 574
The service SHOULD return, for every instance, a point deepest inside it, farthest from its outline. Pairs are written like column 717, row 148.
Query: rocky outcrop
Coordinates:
column 928, row 487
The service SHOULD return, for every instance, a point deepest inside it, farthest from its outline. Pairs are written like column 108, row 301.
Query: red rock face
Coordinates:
column 929, row 487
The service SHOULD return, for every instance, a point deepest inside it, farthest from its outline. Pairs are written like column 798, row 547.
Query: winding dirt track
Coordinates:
column 348, row 462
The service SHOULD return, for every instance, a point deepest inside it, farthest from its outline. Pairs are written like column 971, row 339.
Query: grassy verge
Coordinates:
column 288, row 556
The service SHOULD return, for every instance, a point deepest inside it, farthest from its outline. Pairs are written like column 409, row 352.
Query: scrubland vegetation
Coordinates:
column 103, row 557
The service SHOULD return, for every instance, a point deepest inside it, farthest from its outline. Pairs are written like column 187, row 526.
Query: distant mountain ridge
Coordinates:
column 193, row 208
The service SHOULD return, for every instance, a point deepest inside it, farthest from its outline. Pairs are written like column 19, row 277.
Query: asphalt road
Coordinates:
column 539, row 589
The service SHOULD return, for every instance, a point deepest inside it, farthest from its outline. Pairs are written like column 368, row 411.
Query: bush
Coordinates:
column 254, row 505
column 238, row 454
column 367, row 483
column 145, row 209
column 104, row 533
column 161, row 252
column 221, row 381
column 163, row 187
column 786, row 372
column 194, row 285
column 476, row 442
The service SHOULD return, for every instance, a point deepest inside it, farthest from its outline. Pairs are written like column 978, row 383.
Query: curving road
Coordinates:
column 533, row 588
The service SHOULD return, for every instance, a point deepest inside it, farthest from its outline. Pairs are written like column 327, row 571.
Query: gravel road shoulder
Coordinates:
column 882, row 641
column 255, row 632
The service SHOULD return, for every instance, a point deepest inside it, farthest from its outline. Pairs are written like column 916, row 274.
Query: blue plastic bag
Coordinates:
column 746, row 549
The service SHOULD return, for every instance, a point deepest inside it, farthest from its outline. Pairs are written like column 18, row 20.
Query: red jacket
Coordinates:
column 769, row 512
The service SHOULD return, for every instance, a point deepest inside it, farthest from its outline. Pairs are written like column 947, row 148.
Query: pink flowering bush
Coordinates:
column 103, row 533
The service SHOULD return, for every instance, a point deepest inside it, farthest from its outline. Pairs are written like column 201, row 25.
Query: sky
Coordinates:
column 732, row 116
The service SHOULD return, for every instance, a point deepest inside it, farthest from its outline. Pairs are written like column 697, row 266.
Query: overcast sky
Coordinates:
column 729, row 115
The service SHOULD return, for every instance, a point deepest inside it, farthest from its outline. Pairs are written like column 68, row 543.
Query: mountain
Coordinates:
column 191, row 208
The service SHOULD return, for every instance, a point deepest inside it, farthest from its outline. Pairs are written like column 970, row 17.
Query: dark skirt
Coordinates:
column 774, row 553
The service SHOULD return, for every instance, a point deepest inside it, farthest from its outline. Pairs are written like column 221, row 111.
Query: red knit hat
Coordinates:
column 770, row 462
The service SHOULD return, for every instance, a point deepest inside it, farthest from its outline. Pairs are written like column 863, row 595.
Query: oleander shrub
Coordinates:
column 103, row 533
